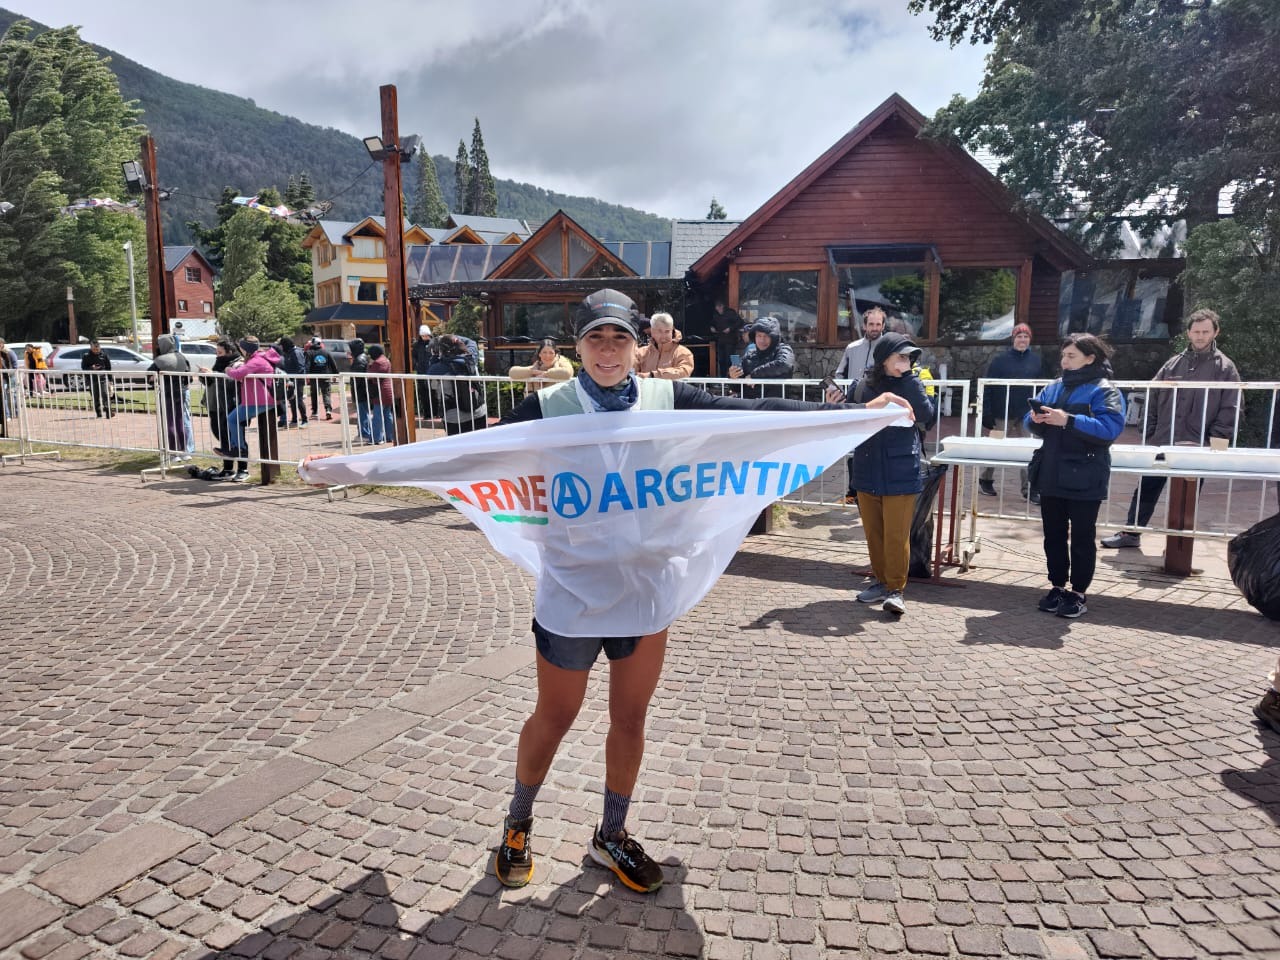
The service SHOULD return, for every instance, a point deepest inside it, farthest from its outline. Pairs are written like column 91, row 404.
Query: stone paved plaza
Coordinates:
column 246, row 721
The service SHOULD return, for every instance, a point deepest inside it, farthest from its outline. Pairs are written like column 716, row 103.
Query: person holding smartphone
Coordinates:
column 1079, row 416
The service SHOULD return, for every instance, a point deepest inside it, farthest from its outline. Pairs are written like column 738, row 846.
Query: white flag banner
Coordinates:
column 625, row 519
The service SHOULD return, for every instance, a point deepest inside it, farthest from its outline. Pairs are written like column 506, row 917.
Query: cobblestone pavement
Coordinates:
column 250, row 722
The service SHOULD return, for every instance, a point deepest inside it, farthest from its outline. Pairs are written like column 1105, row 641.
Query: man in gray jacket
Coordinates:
column 1184, row 416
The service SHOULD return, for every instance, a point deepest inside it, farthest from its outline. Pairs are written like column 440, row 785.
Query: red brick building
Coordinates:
column 188, row 279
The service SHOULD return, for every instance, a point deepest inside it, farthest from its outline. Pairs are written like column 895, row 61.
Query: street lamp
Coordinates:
column 378, row 151
column 133, row 296
column 6, row 208
column 135, row 179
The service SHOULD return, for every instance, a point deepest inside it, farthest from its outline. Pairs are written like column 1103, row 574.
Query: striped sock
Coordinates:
column 522, row 801
column 615, row 813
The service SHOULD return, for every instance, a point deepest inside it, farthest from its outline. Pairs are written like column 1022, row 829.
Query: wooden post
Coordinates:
column 269, row 444
column 397, row 303
column 73, row 335
column 1182, row 516
column 155, row 242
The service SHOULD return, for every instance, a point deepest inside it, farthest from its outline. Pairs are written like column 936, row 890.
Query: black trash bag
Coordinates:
column 922, row 523
column 1253, row 557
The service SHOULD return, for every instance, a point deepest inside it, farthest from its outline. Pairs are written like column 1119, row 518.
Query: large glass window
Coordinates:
column 536, row 321
column 1120, row 303
column 791, row 296
column 977, row 303
column 902, row 292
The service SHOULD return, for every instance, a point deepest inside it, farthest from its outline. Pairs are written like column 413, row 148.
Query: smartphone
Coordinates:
column 734, row 360
column 1035, row 405
column 828, row 383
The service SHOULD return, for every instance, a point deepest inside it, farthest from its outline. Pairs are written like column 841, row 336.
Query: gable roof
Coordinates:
column 690, row 239
column 502, row 225
column 173, row 257
column 560, row 222
column 894, row 107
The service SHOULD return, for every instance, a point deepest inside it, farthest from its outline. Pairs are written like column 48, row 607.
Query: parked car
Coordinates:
column 340, row 352
column 201, row 353
column 127, row 367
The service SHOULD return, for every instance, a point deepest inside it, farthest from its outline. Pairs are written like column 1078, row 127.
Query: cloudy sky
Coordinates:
column 658, row 104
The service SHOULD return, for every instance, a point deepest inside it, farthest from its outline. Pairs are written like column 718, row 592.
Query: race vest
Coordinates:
column 625, row 520
column 567, row 398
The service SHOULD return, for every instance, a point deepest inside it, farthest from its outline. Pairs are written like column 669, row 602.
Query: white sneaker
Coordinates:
column 874, row 593
column 894, row 604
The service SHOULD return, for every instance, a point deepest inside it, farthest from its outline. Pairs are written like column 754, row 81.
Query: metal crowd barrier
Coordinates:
column 1229, row 501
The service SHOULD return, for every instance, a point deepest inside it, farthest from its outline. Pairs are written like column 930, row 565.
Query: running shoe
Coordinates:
column 513, row 863
column 627, row 859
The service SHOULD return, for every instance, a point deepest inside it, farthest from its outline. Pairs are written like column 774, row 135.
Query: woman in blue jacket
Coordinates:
column 886, row 470
column 1079, row 416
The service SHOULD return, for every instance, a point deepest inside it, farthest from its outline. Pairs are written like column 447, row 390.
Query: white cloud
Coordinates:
column 657, row 105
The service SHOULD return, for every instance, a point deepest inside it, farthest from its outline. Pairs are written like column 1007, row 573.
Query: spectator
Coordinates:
column 768, row 357
column 855, row 362
column 726, row 328
column 320, row 371
column 255, row 375
column 857, row 357
column 606, row 339
column 34, row 357
column 1181, row 416
column 294, row 364
column 422, row 355
column 1006, row 406
column 548, row 367
column 360, row 388
column 8, row 381
column 382, row 397
column 174, row 370
column 1268, row 708
column 99, row 364
column 664, row 358
column 886, row 470
column 221, row 397
column 462, row 403
column 1080, row 416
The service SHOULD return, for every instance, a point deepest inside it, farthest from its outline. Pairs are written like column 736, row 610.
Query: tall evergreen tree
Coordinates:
column 64, row 131
column 244, row 252
column 428, row 204
column 284, row 258
column 306, row 191
column 461, row 178
column 716, row 211
column 482, row 192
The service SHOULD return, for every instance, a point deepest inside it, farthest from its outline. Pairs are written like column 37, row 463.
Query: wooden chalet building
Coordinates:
column 917, row 227
column 188, row 278
column 529, row 291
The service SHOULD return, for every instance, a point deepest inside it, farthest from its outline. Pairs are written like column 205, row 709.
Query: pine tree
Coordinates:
column 306, row 192
column 64, row 131
column 716, row 212
column 428, row 204
column 291, row 193
column 461, row 176
column 482, row 192
column 244, row 252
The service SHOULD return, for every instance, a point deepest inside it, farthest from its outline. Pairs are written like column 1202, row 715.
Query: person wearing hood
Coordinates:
column 382, row 397
column 663, row 357
column 886, row 469
column 221, row 397
column 1079, row 415
column 1184, row 417
column 175, row 383
column 293, row 363
column 462, row 403
column 768, row 357
column 255, row 375
column 360, row 388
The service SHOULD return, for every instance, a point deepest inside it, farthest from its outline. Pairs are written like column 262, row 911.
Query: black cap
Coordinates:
column 890, row 343
column 606, row 307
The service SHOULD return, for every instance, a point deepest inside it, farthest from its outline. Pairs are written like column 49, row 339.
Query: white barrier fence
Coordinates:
column 1235, row 480
column 274, row 420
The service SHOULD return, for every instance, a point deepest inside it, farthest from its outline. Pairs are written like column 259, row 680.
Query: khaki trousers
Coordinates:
column 886, row 521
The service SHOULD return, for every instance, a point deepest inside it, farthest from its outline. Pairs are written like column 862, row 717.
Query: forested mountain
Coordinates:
column 206, row 140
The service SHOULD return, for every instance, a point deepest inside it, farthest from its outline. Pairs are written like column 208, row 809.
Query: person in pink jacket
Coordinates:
column 382, row 399
column 255, row 375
